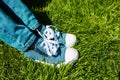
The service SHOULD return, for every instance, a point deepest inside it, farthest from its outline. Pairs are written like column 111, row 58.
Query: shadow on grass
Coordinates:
column 119, row 76
column 41, row 16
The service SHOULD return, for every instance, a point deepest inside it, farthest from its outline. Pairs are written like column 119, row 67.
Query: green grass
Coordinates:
column 96, row 23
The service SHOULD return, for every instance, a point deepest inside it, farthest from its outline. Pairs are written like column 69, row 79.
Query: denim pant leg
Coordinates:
column 15, row 34
column 23, row 13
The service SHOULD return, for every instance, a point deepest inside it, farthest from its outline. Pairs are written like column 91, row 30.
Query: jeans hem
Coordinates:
column 29, row 43
column 35, row 26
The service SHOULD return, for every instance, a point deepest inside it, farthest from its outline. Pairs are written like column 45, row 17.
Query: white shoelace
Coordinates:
column 50, row 42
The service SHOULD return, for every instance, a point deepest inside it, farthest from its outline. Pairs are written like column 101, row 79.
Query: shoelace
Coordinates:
column 50, row 41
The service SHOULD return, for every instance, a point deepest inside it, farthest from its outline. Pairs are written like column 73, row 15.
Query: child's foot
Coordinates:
column 49, row 50
column 51, row 53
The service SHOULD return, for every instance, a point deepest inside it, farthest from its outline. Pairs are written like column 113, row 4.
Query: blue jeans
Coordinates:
column 16, row 24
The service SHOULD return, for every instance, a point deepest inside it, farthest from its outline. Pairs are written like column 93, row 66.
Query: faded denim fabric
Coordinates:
column 16, row 24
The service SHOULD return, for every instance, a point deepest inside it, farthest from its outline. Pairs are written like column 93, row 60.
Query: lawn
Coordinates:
column 96, row 23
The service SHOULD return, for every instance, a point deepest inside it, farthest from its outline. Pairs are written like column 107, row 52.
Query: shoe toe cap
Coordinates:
column 70, row 40
column 71, row 55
